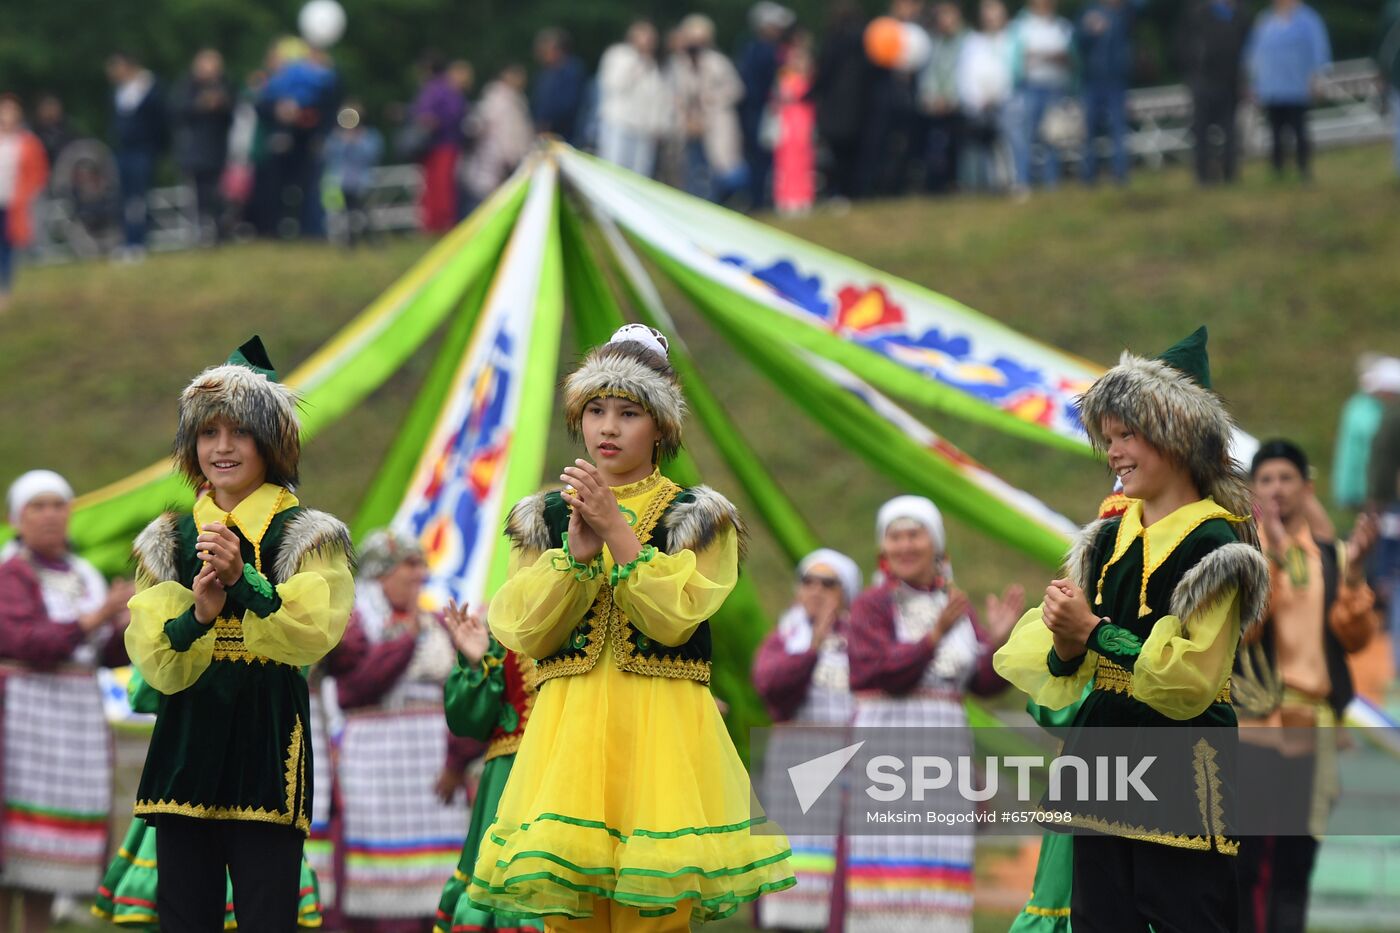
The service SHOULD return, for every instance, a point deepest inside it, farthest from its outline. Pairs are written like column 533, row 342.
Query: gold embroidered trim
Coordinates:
column 619, row 393
column 1141, row 833
column 657, row 507
column 202, row 812
column 608, row 622
column 503, row 745
column 1208, row 786
column 632, row 490
column 1035, row 911
column 293, row 815
column 1115, row 678
column 296, row 773
column 229, row 645
column 1212, row 810
column 677, row 668
column 1147, row 567
column 256, row 540
column 529, row 678
column 597, row 618
column 624, row 652
column 1120, row 549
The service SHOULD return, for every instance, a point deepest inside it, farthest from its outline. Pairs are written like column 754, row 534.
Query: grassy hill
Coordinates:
column 1293, row 281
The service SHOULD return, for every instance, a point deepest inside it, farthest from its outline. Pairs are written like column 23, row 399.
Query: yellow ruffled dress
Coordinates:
column 626, row 786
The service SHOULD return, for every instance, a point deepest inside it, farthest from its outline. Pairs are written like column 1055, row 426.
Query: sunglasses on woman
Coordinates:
column 827, row 583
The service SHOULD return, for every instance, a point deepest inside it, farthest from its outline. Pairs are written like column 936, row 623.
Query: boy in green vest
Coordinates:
column 234, row 599
column 1151, row 610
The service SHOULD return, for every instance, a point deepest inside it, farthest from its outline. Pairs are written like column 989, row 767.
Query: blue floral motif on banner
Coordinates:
column 448, row 519
column 867, row 316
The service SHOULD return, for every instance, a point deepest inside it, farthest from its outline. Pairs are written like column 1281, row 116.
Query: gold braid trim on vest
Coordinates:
column 604, row 622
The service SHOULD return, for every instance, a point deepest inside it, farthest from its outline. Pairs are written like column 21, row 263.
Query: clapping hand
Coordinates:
column 593, row 506
column 1271, row 526
column 1363, row 538
column 590, row 495
column 447, row 784
column 957, row 608
column 220, row 548
column 209, row 595
column 468, row 632
column 1003, row 612
column 1067, row 615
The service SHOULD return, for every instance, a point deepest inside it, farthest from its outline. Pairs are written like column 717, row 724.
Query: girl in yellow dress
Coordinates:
column 628, row 807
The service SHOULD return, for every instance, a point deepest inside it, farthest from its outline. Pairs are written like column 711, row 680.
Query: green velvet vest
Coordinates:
column 606, row 622
column 234, row 745
column 1203, row 747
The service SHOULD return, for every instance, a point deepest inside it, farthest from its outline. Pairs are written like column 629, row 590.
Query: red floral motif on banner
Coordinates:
column 865, row 309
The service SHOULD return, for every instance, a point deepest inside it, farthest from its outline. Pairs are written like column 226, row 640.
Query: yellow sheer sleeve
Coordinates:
column 538, row 606
column 669, row 596
column 1180, row 671
column 1024, row 661
column 316, row 605
column 165, row 667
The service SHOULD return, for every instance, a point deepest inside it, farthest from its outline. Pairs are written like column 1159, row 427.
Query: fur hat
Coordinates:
column 633, row 365
column 1168, row 400
column 244, row 390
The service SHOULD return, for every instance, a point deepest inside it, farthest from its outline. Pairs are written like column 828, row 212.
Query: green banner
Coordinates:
column 883, row 445
column 530, row 443
column 720, row 304
column 390, row 484
column 352, row 364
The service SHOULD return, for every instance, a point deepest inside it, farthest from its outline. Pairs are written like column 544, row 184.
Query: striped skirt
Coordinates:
column 819, row 727
column 58, row 782
column 401, row 843
column 920, row 883
column 320, row 846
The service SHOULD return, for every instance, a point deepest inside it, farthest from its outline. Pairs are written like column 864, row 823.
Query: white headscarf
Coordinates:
column 1383, row 375
column 916, row 509
column 846, row 570
column 34, row 484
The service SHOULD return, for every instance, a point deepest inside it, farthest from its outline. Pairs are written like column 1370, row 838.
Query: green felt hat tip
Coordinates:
column 254, row 356
column 1189, row 356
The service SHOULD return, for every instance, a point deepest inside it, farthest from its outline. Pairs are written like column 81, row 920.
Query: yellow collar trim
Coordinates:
column 642, row 486
column 1159, row 539
column 251, row 516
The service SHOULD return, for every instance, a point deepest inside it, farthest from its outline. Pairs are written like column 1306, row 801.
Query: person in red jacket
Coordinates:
column 24, row 170
column 59, row 620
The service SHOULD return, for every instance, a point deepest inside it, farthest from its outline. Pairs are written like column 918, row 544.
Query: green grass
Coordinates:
column 1293, row 281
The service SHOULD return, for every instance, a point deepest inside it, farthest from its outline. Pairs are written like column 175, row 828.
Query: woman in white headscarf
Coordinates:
column 59, row 620
column 915, row 654
column 803, row 675
column 801, row 669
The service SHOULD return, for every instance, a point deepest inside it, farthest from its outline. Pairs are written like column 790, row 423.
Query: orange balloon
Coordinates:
column 884, row 41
